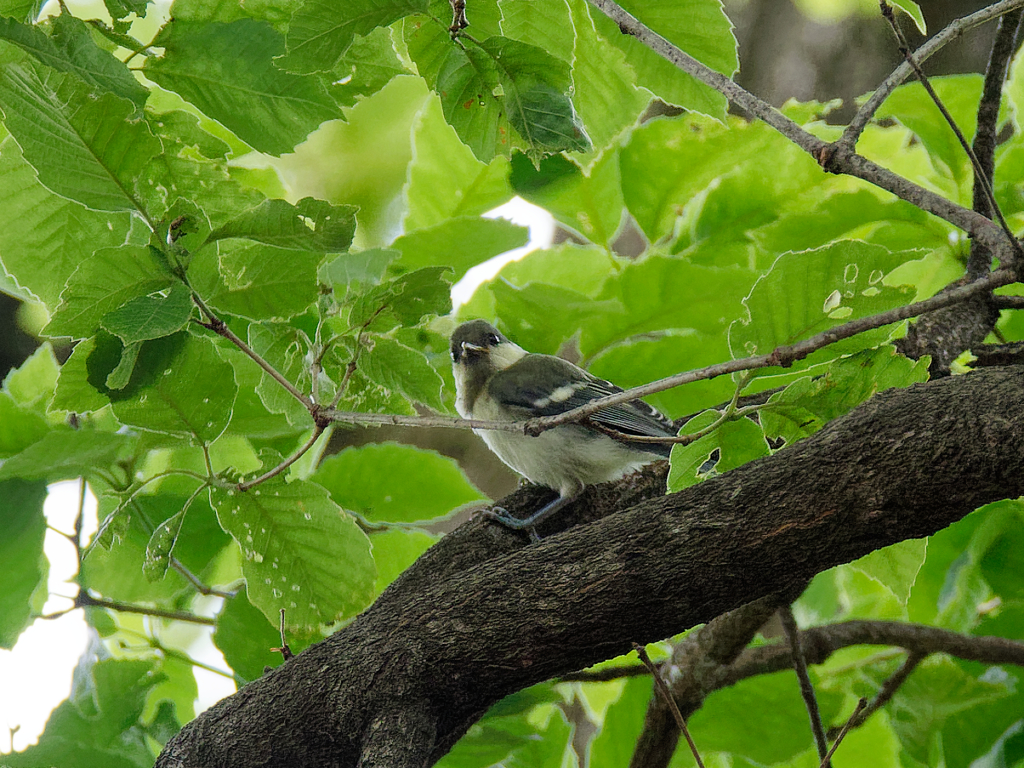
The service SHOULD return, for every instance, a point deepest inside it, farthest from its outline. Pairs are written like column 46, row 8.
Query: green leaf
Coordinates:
column 913, row 10
column 245, row 637
column 32, row 383
column 256, row 281
column 937, row 690
column 406, row 298
column 809, row 292
column 85, row 148
column 19, row 427
column 397, row 367
column 808, row 404
column 604, row 85
column 301, row 552
column 736, row 441
column 350, row 270
column 70, row 48
column 699, row 28
column 623, row 723
column 99, row 726
column 778, row 733
column 180, row 387
column 284, row 347
column 21, row 551
column 395, row 550
column 321, row 32
column 228, row 71
column 395, row 483
column 367, row 66
column 895, row 567
column 108, row 279
column 479, row 240
column 309, row 225
column 74, row 393
column 64, row 454
column 546, row 25
column 151, row 317
column 445, row 178
column 119, row 9
column 43, row 228
column 660, row 293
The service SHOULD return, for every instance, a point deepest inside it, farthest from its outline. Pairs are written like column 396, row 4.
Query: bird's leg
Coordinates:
column 502, row 516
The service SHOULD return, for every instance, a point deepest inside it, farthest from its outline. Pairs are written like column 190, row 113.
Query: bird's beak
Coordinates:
column 467, row 346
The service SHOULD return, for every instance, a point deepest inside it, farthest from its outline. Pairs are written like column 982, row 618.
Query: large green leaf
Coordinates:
column 108, row 279
column 70, row 48
column 88, row 149
column 399, row 368
column 698, row 27
column 151, row 317
column 228, row 71
column 479, row 240
column 321, row 32
column 301, row 552
column 99, row 726
column 445, row 179
column 180, row 387
column 21, row 551
column 395, row 483
column 809, row 292
column 43, row 228
column 64, row 454
column 309, row 225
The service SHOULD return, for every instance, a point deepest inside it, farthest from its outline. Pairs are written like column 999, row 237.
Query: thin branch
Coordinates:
column 85, row 600
column 887, row 691
column 317, row 431
column 955, row 29
column 861, row 704
column 219, row 327
column 671, row 702
column 1008, row 302
column 835, row 158
column 806, row 689
column 782, row 356
column 980, row 177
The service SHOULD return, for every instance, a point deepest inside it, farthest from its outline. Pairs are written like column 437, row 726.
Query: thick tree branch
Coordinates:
column 484, row 613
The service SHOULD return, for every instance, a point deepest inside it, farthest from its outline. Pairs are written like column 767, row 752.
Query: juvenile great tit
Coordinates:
column 498, row 380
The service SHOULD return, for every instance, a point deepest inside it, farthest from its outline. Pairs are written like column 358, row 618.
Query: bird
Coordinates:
column 497, row 380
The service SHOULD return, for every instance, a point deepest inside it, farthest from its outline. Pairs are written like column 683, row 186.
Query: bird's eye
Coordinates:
column 493, row 340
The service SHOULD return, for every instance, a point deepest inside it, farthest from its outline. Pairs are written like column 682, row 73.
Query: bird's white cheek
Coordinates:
column 459, row 372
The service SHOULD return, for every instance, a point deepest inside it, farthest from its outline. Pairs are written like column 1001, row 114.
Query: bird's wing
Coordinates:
column 555, row 388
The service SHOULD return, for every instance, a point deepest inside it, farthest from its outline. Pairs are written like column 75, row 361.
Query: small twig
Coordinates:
column 1008, row 302
column 85, row 600
column 317, row 431
column 350, row 368
column 782, row 356
column 954, row 30
column 890, row 686
column 284, row 650
column 671, row 702
column 606, row 674
column 196, row 582
column 219, row 327
column 980, row 177
column 861, row 704
column 806, row 689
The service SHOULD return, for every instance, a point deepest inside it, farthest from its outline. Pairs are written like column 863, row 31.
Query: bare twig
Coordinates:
column 887, row 691
column 1008, row 302
column 782, row 356
column 284, row 650
column 955, row 29
column 980, row 260
column 317, row 431
column 85, row 600
column 806, row 689
column 219, row 327
column 980, row 177
column 861, row 704
column 663, row 690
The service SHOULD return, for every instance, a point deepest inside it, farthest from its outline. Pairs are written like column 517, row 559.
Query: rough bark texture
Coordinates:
column 484, row 613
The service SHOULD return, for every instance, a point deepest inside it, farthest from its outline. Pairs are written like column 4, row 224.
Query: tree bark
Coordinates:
column 484, row 613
